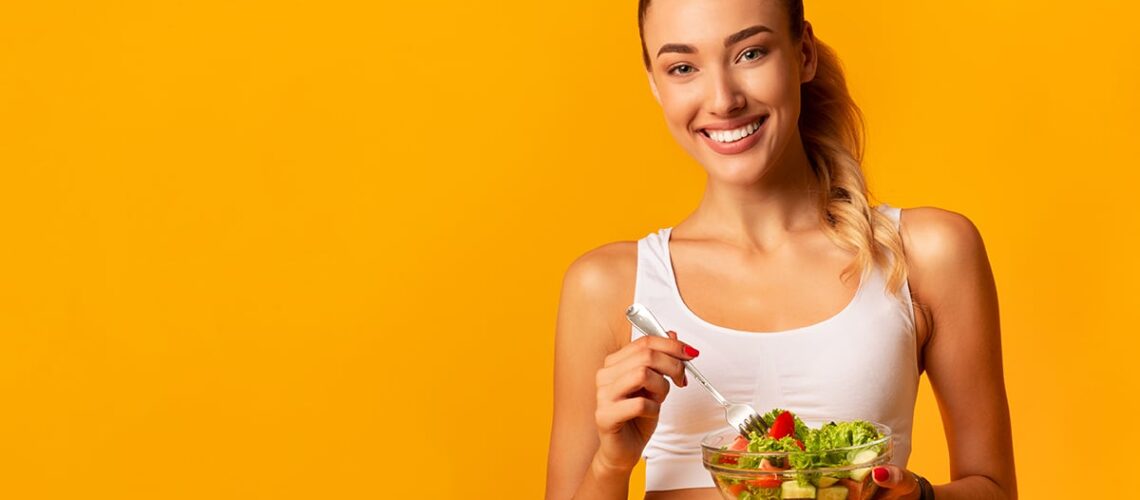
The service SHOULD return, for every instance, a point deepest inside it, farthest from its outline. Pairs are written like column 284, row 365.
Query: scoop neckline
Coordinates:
column 676, row 293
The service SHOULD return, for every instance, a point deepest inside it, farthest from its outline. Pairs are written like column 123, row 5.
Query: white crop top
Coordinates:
column 858, row 364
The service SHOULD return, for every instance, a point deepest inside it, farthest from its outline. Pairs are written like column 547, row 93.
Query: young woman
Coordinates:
column 788, row 288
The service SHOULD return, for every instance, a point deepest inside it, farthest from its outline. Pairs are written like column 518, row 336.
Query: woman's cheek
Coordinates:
column 681, row 106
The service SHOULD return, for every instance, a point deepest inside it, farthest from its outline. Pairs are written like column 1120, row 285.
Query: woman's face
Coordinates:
column 728, row 78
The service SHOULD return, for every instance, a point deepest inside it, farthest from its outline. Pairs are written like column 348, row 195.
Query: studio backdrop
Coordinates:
column 277, row 250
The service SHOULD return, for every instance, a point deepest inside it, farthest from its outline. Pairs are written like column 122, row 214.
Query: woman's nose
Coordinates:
column 727, row 96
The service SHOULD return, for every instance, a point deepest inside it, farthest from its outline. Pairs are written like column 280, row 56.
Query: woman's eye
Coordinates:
column 756, row 54
column 681, row 69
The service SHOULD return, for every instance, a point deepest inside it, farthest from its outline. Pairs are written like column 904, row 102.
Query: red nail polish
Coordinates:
column 690, row 351
column 881, row 474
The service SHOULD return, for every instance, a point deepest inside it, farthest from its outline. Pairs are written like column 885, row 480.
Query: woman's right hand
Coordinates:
column 631, row 388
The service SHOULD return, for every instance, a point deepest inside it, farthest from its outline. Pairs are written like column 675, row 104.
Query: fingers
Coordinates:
column 646, row 379
column 897, row 482
column 631, row 383
column 612, row 417
column 640, row 357
column 670, row 346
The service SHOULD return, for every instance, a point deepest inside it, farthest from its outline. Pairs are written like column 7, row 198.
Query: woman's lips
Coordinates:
column 731, row 148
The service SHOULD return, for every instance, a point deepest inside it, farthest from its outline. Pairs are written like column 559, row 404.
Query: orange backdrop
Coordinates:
column 313, row 250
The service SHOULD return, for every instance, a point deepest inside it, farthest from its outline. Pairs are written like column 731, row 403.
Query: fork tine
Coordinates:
column 755, row 423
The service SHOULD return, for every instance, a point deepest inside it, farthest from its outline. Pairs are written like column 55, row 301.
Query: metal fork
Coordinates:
column 739, row 415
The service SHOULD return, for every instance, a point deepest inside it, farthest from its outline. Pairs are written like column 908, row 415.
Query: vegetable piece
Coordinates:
column 766, row 481
column 793, row 489
column 766, row 465
column 801, row 429
column 825, row 481
column 739, row 444
column 862, row 457
column 784, row 425
column 735, row 489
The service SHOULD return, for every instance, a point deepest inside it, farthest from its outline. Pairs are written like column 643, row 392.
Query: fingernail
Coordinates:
column 881, row 474
column 690, row 351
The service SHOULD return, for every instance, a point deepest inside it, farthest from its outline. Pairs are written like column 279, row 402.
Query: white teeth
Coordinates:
column 733, row 135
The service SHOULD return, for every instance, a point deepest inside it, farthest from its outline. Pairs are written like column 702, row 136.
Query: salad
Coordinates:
column 792, row 460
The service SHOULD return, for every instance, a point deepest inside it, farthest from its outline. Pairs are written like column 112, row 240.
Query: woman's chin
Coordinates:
column 736, row 171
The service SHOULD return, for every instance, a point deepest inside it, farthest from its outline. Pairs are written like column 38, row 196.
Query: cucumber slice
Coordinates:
column 825, row 481
column 792, row 489
column 862, row 457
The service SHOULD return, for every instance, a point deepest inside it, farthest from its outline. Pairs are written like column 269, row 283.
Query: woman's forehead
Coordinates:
column 699, row 22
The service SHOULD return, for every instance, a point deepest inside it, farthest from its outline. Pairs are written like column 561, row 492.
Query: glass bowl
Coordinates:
column 743, row 475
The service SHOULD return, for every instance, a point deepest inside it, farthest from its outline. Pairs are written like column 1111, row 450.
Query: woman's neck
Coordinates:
column 761, row 215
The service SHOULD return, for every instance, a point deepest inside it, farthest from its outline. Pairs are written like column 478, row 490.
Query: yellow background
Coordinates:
column 313, row 249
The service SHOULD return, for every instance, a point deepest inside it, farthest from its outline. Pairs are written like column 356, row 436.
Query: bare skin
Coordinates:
column 753, row 257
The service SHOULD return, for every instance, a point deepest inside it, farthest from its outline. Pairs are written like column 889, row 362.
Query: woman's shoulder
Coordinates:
column 943, row 249
column 599, row 285
column 931, row 233
column 604, row 270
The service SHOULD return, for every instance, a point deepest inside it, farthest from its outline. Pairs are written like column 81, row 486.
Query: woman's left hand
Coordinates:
column 895, row 483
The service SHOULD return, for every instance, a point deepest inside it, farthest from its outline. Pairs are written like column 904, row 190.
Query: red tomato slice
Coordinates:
column 784, row 425
column 739, row 444
column 766, row 481
column 735, row 489
column 729, row 459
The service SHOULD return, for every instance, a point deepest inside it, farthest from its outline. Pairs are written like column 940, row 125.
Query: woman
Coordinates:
column 798, row 293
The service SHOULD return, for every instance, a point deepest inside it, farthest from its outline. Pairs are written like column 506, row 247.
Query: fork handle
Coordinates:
column 645, row 322
column 705, row 383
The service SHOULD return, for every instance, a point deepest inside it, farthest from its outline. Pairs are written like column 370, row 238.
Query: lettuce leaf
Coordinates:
column 842, row 435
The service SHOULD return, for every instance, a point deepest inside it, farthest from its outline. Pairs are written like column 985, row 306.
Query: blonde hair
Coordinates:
column 833, row 133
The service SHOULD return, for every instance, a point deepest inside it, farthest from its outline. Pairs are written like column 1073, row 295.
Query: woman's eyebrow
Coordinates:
column 745, row 33
column 681, row 48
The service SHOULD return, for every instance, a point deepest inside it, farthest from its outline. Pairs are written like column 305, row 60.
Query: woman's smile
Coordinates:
column 732, row 138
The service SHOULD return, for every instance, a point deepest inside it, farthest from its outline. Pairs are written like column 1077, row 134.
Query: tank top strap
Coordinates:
column 652, row 287
column 894, row 213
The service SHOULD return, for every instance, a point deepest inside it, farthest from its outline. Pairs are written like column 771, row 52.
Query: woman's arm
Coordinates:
column 607, row 390
column 950, row 276
column 594, row 284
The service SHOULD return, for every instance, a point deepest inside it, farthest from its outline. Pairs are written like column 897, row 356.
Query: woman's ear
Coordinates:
column 653, row 87
column 808, row 53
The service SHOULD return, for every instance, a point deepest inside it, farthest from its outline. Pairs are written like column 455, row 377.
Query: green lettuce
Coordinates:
column 820, row 445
